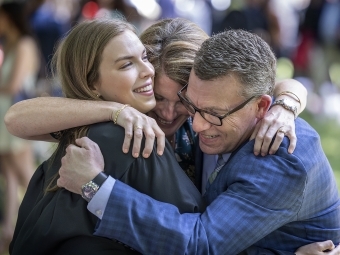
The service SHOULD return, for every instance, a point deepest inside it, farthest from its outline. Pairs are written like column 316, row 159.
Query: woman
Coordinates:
column 98, row 60
column 18, row 74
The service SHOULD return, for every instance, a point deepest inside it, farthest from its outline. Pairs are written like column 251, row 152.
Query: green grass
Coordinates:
column 329, row 131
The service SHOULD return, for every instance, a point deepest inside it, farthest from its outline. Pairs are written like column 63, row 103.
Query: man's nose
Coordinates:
column 199, row 124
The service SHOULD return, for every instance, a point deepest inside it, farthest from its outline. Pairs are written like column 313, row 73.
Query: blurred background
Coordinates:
column 304, row 34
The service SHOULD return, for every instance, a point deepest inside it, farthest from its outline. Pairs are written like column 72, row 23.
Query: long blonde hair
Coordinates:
column 76, row 65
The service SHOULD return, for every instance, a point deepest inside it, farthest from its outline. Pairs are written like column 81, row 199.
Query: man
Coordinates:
column 271, row 204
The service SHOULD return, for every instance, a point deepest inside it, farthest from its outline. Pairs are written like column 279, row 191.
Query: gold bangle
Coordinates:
column 118, row 112
column 289, row 93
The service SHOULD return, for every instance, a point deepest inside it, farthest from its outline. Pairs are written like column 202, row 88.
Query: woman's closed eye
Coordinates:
column 126, row 65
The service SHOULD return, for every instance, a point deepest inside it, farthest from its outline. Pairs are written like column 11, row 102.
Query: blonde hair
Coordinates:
column 76, row 65
column 171, row 46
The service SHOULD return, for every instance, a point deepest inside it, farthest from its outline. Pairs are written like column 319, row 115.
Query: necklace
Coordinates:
column 172, row 140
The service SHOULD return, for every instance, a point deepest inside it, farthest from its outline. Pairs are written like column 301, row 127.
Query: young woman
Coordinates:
column 18, row 74
column 98, row 60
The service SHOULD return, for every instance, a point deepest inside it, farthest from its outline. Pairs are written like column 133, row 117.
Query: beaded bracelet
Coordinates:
column 118, row 112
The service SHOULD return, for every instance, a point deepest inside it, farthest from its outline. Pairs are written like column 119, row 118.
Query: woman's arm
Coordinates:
column 280, row 118
column 36, row 118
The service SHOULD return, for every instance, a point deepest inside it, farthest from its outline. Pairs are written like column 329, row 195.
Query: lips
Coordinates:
column 143, row 89
column 164, row 122
column 208, row 136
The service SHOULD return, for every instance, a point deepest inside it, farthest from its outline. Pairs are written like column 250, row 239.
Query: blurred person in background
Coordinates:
column 18, row 74
column 50, row 20
column 256, row 16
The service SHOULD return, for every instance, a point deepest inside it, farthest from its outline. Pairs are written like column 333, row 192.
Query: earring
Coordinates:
column 97, row 95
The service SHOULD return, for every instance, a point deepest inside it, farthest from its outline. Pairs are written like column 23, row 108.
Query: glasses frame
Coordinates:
column 201, row 112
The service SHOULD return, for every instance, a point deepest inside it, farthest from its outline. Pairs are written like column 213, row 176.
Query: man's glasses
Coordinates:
column 211, row 117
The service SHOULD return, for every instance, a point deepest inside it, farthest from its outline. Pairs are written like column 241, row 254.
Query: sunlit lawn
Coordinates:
column 329, row 131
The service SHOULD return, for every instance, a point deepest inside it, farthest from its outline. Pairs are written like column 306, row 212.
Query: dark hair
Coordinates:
column 16, row 12
column 239, row 53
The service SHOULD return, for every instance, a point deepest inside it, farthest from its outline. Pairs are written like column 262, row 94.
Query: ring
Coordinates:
column 281, row 131
column 138, row 127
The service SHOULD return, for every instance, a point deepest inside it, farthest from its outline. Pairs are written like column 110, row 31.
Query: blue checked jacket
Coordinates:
column 258, row 205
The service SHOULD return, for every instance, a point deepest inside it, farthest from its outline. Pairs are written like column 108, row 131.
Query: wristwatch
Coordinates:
column 89, row 189
column 287, row 104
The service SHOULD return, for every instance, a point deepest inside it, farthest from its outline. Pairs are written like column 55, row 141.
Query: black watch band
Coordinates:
column 100, row 179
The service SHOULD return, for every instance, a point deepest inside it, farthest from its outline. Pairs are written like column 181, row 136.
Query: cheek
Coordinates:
column 181, row 110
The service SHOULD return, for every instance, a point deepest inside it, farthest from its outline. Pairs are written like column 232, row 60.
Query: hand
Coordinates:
column 276, row 118
column 80, row 165
column 326, row 247
column 130, row 119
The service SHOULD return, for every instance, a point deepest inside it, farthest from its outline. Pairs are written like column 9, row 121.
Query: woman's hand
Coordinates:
column 326, row 247
column 135, row 124
column 278, row 121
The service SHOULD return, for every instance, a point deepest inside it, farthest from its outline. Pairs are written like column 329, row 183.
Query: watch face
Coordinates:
column 89, row 190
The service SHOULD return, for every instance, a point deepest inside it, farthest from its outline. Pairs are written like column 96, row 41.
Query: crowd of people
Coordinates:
column 58, row 54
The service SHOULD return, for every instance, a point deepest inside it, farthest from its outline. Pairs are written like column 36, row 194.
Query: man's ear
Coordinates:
column 263, row 105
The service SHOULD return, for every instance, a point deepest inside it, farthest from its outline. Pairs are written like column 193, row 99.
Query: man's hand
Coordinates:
column 319, row 248
column 80, row 165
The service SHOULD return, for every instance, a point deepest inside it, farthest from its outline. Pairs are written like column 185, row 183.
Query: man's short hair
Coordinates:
column 239, row 53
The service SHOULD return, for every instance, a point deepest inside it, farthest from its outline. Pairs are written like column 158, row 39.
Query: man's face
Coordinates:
column 220, row 96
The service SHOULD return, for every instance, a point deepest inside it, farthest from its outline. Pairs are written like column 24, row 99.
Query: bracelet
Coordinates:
column 118, row 112
column 288, row 106
column 289, row 93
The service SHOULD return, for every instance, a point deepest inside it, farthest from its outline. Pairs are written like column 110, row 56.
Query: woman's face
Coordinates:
column 126, row 75
column 169, row 112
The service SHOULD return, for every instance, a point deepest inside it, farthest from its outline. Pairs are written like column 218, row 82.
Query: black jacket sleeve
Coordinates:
column 160, row 177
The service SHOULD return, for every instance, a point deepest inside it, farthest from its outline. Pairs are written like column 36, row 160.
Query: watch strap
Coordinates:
column 90, row 189
column 100, row 179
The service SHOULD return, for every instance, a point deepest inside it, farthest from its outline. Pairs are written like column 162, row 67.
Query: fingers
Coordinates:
column 160, row 141
column 136, row 124
column 84, row 142
column 335, row 251
column 128, row 137
column 137, row 140
column 292, row 143
column 277, row 124
column 324, row 246
column 264, row 132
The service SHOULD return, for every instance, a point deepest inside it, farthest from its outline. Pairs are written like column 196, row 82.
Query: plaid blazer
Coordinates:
column 258, row 205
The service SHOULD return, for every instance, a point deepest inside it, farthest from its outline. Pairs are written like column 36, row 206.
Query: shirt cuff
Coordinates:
column 98, row 203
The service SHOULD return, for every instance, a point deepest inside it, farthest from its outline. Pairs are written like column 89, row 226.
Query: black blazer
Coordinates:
column 58, row 223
